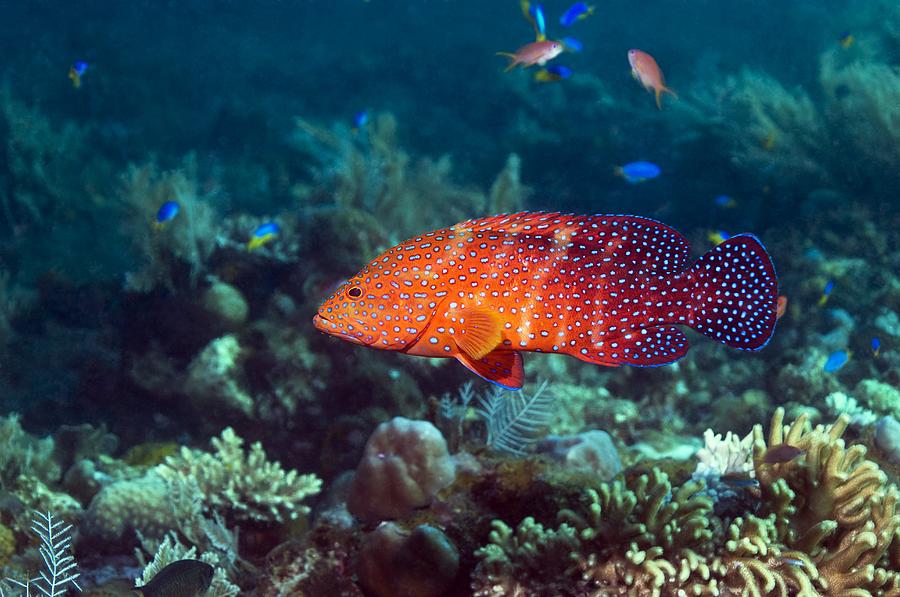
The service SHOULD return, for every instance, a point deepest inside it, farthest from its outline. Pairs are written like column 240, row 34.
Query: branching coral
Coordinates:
column 834, row 504
column 242, row 484
column 824, row 523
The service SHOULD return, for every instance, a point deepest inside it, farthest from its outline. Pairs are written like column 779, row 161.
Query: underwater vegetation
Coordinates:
column 190, row 196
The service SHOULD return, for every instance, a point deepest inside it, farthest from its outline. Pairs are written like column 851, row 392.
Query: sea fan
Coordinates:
column 514, row 419
column 59, row 565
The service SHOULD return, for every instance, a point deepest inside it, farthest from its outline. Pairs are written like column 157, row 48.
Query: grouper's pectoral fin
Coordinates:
column 501, row 367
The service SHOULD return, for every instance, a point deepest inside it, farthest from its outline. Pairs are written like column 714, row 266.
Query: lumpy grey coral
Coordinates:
column 404, row 465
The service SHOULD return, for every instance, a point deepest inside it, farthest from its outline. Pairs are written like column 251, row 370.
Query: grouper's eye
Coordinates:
column 354, row 292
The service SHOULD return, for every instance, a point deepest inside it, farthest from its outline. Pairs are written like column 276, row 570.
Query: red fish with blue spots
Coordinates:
column 610, row 290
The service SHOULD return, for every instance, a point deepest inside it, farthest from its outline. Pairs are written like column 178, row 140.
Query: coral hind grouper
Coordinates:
column 609, row 290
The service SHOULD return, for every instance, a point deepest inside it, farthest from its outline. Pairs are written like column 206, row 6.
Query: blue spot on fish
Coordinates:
column 836, row 360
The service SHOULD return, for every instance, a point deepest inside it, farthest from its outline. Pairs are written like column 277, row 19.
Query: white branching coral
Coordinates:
column 720, row 456
column 242, row 484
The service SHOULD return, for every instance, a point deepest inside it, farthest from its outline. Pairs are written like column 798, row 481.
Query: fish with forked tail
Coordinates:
column 610, row 290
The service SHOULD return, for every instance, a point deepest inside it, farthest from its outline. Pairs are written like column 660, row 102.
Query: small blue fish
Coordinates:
column 263, row 234
column 537, row 11
column 717, row 237
column 577, row 12
column 836, row 360
column 359, row 120
column 555, row 72
column 826, row 292
column 636, row 172
column 846, row 39
column 572, row 45
column 166, row 213
column 876, row 346
column 76, row 71
column 725, row 201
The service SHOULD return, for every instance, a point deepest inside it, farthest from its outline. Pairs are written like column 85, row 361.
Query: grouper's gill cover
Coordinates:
column 606, row 289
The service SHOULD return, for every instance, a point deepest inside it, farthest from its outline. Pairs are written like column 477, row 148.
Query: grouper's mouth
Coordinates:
column 349, row 332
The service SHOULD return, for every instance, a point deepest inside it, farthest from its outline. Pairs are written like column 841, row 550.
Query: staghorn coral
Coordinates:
column 243, row 484
column 823, row 524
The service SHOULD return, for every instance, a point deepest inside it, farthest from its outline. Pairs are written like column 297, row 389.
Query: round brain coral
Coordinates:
column 405, row 463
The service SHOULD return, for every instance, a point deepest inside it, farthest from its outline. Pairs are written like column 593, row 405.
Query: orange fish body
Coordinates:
column 538, row 52
column 605, row 289
column 645, row 69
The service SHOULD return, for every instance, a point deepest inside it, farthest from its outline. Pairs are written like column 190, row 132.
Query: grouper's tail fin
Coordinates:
column 734, row 293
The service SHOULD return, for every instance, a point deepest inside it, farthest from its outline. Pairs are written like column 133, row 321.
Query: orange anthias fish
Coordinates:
column 645, row 69
column 537, row 52
column 609, row 290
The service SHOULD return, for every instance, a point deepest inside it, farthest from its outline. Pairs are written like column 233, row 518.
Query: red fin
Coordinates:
column 479, row 331
column 501, row 367
column 645, row 347
column 735, row 293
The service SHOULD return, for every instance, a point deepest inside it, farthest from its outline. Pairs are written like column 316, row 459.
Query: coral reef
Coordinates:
column 824, row 524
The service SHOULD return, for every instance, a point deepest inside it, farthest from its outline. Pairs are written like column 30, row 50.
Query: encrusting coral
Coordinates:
column 824, row 523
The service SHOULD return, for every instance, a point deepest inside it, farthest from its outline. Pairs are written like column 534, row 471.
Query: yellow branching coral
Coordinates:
column 842, row 512
column 826, row 523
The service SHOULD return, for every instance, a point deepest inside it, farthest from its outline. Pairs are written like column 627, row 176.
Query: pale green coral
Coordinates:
column 243, row 483
column 24, row 455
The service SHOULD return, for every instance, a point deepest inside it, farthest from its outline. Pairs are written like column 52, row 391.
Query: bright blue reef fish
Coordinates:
column 554, row 72
column 717, row 237
column 826, row 292
column 636, row 172
column 836, row 360
column 540, row 22
column 359, row 120
column 532, row 14
column 572, row 45
column 725, row 201
column 846, row 39
column 263, row 234
column 76, row 71
column 609, row 290
column 876, row 346
column 166, row 213
column 576, row 12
